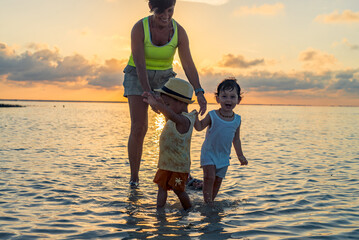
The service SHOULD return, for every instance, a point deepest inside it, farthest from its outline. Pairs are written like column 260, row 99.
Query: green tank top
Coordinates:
column 157, row 57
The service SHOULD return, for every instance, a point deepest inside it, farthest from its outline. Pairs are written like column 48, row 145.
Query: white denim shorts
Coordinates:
column 221, row 172
column 156, row 78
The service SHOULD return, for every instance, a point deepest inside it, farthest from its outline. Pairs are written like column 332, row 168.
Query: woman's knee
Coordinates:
column 139, row 130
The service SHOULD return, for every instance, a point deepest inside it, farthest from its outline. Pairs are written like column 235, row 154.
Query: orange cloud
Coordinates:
column 239, row 61
column 347, row 16
column 48, row 66
column 346, row 43
column 316, row 60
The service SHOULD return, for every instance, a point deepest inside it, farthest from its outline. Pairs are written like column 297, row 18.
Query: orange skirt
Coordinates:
column 171, row 180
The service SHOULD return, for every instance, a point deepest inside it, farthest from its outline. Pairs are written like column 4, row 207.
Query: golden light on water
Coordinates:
column 160, row 122
column 156, row 123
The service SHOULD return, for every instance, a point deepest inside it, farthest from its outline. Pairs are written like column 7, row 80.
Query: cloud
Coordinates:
column 265, row 9
column 239, row 61
column 318, row 78
column 48, row 66
column 211, row 2
column 300, row 83
column 43, row 65
column 347, row 16
column 6, row 50
column 347, row 81
column 346, row 43
column 279, row 81
column 110, row 74
column 316, row 60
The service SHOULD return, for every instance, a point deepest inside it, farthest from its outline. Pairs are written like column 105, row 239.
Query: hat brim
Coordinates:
column 182, row 99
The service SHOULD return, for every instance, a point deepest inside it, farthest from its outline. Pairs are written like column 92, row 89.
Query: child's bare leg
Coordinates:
column 216, row 187
column 209, row 175
column 184, row 199
column 161, row 197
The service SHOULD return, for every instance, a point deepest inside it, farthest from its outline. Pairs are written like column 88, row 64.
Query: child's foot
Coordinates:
column 134, row 184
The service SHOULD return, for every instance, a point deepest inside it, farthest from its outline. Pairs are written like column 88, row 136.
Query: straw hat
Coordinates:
column 178, row 89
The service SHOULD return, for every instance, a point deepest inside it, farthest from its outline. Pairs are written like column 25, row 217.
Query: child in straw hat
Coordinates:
column 175, row 140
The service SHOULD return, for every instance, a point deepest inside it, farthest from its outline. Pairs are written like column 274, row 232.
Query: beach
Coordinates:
column 64, row 174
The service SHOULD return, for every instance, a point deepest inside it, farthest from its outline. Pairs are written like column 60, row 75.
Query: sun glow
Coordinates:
column 160, row 122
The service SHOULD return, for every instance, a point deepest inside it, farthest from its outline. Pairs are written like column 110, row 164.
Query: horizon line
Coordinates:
column 250, row 104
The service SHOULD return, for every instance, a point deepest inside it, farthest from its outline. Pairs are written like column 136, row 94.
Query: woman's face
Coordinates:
column 164, row 18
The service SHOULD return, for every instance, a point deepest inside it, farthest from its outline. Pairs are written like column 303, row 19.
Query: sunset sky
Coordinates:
column 281, row 52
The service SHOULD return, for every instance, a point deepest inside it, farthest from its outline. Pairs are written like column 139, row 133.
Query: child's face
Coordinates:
column 228, row 99
column 172, row 103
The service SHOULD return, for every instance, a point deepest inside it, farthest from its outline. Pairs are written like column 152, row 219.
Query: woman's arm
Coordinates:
column 238, row 147
column 189, row 67
column 138, row 54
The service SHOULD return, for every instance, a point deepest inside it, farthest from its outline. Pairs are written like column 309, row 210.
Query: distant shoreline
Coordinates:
column 81, row 101
column 2, row 105
column 32, row 100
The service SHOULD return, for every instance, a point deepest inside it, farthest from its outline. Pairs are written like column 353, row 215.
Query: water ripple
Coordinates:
column 64, row 175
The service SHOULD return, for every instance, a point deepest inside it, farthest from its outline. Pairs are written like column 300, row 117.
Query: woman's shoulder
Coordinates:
column 179, row 27
column 181, row 31
column 138, row 28
column 139, row 23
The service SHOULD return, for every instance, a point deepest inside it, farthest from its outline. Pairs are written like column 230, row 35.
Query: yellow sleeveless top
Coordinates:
column 175, row 148
column 158, row 57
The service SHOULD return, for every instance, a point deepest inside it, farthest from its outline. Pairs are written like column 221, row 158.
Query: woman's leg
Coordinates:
column 139, row 125
column 209, row 175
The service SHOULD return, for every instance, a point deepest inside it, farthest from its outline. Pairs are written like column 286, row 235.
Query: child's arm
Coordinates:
column 238, row 147
column 199, row 125
column 182, row 122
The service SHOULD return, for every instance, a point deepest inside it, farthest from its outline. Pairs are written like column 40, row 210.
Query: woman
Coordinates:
column 154, row 41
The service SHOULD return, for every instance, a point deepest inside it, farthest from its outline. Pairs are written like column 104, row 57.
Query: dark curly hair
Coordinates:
column 229, row 84
column 159, row 6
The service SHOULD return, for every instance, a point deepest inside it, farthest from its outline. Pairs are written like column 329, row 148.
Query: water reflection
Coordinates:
column 144, row 222
column 64, row 175
column 160, row 122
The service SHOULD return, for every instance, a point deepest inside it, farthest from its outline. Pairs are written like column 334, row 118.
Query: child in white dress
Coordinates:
column 223, row 130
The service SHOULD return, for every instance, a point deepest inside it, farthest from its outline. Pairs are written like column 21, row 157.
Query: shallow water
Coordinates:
column 64, row 175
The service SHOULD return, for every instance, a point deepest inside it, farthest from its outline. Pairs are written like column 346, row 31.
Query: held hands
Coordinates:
column 243, row 160
column 202, row 103
column 152, row 100
column 148, row 98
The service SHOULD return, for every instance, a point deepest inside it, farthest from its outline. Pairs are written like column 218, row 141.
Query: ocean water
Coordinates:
column 64, row 174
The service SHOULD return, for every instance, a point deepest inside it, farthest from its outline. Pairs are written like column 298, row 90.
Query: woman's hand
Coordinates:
column 202, row 103
column 152, row 100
